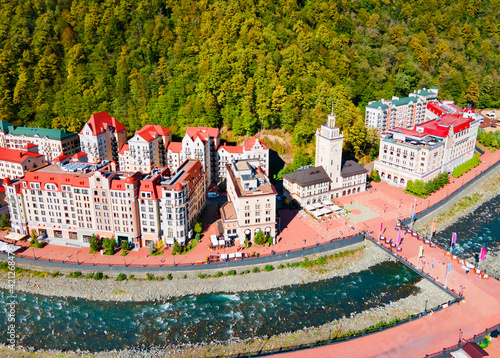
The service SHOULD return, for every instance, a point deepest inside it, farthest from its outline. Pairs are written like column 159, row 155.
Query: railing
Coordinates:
column 213, row 264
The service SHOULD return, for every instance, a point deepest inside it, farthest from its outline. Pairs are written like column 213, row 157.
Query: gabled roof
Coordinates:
column 237, row 149
column 61, row 158
column 377, row 104
column 56, row 134
column 123, row 149
column 351, row 168
column 4, row 126
column 175, row 147
column 79, row 155
column 150, row 132
column 204, row 132
column 404, row 101
column 473, row 350
column 308, row 176
column 30, row 145
column 98, row 122
column 16, row 156
column 249, row 144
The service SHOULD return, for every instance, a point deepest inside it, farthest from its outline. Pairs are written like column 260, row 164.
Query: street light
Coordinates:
column 460, row 333
column 76, row 252
column 425, row 309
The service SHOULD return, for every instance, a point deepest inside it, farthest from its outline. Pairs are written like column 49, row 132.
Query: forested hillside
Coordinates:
column 242, row 64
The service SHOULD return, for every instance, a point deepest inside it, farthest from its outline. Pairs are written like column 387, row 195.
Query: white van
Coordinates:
column 213, row 195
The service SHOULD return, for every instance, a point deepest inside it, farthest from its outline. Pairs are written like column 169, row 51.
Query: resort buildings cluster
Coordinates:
column 148, row 188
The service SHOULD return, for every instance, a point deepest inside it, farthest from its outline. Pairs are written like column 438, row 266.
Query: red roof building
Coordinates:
column 15, row 163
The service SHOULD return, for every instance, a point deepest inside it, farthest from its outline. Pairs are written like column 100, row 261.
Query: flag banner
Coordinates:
column 454, row 238
column 449, row 268
column 421, row 251
column 433, row 227
column 399, row 238
column 412, row 215
column 483, row 254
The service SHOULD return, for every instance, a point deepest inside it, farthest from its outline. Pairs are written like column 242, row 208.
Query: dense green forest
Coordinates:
column 243, row 64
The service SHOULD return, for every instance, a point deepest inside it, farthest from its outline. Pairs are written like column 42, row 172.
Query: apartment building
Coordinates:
column 399, row 112
column 14, row 163
column 251, row 205
column 426, row 150
column 254, row 148
column 75, row 200
column 50, row 142
column 145, row 150
column 101, row 138
column 182, row 198
column 307, row 185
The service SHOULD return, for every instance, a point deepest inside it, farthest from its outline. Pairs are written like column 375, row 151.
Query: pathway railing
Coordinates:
column 333, row 244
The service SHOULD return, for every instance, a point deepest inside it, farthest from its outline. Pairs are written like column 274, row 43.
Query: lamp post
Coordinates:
column 76, row 253
column 425, row 309
column 460, row 333
column 34, row 254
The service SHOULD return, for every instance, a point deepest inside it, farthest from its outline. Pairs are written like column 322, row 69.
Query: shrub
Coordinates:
column 185, row 276
column 270, row 240
column 198, row 227
column 152, row 247
column 169, row 277
column 125, row 245
column 281, row 267
column 95, row 243
column 260, row 238
column 231, row 273
column 463, row 168
column 268, row 268
column 109, row 245
column 255, row 270
column 150, row 277
column 375, row 176
column 4, row 221
column 121, row 277
column 177, row 249
column 98, row 275
column 219, row 274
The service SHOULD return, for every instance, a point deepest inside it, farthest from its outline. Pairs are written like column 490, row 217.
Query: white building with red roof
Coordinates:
column 426, row 150
column 145, row 150
column 254, row 148
column 101, row 137
column 14, row 163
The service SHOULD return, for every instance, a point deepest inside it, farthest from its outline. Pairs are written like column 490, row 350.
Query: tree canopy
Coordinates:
column 245, row 65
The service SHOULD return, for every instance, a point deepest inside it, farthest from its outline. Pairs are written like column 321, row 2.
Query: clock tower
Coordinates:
column 329, row 150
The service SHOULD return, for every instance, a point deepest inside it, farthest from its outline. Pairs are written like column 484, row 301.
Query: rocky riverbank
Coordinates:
column 189, row 284
column 427, row 294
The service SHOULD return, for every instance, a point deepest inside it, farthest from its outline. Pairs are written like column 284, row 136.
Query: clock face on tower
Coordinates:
column 336, row 149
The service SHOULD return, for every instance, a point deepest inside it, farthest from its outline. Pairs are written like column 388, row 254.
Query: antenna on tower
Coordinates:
column 332, row 107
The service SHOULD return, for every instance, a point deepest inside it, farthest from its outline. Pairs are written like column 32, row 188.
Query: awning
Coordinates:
column 336, row 208
column 327, row 202
column 222, row 243
column 213, row 240
column 309, row 207
column 325, row 211
column 232, row 236
column 317, row 213
column 318, row 205
column 8, row 247
column 15, row 236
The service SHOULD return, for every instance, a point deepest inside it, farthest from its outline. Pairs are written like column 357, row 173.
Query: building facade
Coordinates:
column 405, row 112
column 331, row 178
column 428, row 149
column 254, row 148
column 76, row 200
column 251, row 205
column 50, row 142
column 14, row 163
column 145, row 150
column 101, row 138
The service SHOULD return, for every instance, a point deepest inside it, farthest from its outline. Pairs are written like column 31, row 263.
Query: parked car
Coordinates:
column 213, row 195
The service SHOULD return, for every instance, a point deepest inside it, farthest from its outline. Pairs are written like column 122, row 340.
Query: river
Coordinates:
column 71, row 324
